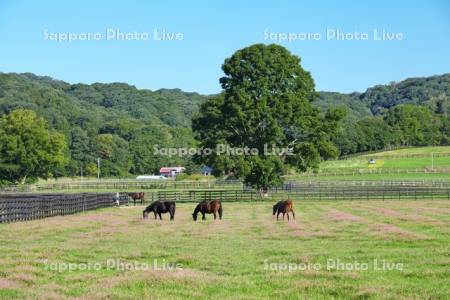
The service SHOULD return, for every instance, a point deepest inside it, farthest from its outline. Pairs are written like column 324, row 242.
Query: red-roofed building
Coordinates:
column 171, row 171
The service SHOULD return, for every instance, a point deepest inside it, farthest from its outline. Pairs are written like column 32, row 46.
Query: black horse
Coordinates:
column 160, row 207
column 208, row 207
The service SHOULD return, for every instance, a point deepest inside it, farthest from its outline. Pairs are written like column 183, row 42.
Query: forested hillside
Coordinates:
column 119, row 123
column 432, row 91
column 356, row 109
column 115, row 122
column 413, row 112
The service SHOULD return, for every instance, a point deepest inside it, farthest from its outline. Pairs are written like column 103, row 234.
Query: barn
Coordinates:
column 171, row 171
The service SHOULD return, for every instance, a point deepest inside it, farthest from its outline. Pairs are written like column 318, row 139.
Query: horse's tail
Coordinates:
column 220, row 210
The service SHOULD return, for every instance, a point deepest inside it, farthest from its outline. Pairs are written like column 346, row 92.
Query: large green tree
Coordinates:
column 28, row 149
column 266, row 101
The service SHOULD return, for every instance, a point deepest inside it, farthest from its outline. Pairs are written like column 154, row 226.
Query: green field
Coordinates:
column 328, row 252
column 401, row 176
column 410, row 158
column 402, row 164
column 385, row 163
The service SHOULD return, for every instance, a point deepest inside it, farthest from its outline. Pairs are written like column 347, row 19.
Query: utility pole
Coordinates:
column 432, row 161
column 98, row 168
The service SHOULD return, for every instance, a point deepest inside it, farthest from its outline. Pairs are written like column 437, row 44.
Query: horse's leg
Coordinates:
column 283, row 215
column 155, row 214
column 278, row 213
column 215, row 215
column 159, row 214
column 293, row 214
column 203, row 216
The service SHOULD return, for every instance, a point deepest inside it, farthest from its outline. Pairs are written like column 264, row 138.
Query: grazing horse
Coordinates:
column 208, row 207
column 160, row 207
column 284, row 207
column 137, row 196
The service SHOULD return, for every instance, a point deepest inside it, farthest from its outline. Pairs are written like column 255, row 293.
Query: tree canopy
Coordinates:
column 265, row 103
column 28, row 149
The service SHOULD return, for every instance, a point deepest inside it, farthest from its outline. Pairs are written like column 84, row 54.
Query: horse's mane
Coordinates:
column 151, row 205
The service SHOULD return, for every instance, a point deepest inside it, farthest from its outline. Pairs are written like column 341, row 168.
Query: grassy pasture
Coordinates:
column 242, row 256
column 402, row 164
column 385, row 163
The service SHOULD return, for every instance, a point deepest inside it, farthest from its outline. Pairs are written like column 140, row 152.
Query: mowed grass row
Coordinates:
column 242, row 256
column 400, row 176
column 426, row 151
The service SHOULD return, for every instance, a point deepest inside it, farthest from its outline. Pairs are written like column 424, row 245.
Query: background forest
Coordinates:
column 120, row 124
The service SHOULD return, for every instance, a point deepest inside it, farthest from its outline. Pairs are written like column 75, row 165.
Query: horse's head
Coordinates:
column 144, row 214
column 195, row 213
column 275, row 208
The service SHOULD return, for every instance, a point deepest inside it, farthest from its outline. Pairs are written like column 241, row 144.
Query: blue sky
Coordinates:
column 213, row 30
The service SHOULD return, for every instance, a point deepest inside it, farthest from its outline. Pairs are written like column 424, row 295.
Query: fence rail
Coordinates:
column 127, row 185
column 366, row 193
column 358, row 171
column 123, row 185
column 379, row 183
column 201, row 195
column 23, row 207
column 308, row 193
column 27, row 206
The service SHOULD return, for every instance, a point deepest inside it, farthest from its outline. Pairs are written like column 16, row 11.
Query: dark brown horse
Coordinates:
column 137, row 196
column 284, row 207
column 160, row 207
column 208, row 207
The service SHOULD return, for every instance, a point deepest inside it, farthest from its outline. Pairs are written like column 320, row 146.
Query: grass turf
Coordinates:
column 242, row 256
column 375, row 176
